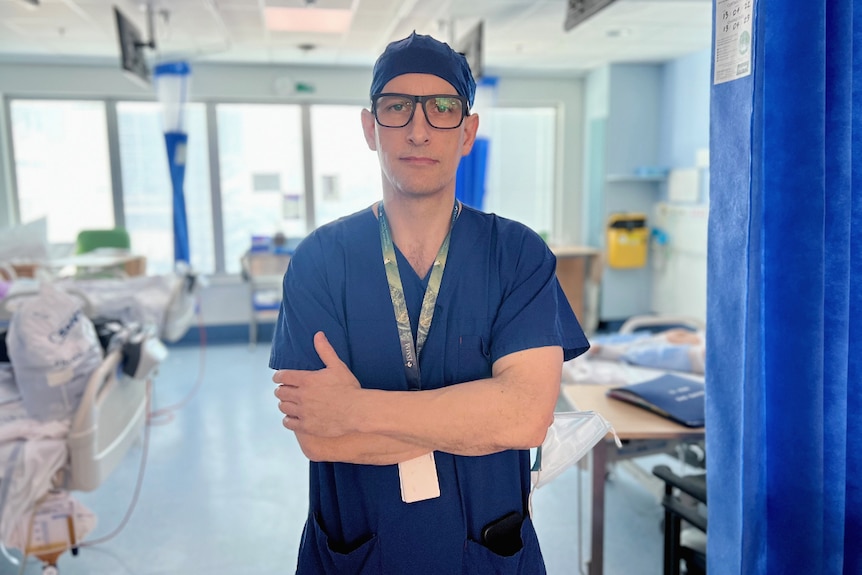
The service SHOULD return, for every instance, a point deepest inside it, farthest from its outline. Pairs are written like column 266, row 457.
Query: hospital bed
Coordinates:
column 41, row 459
column 639, row 352
column 167, row 302
column 645, row 346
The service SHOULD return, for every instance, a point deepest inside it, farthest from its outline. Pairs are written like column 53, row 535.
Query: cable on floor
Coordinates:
column 165, row 415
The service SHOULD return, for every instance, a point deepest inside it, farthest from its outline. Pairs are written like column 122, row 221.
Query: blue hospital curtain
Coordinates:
column 784, row 359
column 471, row 175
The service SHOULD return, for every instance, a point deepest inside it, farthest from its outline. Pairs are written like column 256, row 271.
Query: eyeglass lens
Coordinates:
column 396, row 110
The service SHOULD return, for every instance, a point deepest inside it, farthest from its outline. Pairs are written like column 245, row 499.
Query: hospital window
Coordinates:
column 147, row 192
column 62, row 165
column 520, row 183
column 63, row 172
column 346, row 172
column 262, row 175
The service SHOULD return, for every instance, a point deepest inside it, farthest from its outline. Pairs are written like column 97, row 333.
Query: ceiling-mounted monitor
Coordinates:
column 132, row 44
column 472, row 46
column 579, row 10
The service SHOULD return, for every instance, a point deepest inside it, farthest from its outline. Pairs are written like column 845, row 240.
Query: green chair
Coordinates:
column 89, row 240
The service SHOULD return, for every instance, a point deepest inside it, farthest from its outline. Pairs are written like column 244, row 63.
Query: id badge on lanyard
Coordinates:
column 418, row 477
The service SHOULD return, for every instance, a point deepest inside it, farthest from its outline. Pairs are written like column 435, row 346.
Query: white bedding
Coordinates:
column 148, row 300
column 31, row 454
column 603, row 372
column 70, row 454
column 166, row 302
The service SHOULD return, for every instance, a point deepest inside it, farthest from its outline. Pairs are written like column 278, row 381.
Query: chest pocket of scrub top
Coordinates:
column 474, row 358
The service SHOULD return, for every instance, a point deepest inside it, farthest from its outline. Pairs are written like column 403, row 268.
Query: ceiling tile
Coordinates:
column 522, row 35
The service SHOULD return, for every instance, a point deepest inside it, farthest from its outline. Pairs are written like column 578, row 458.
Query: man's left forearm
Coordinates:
column 511, row 410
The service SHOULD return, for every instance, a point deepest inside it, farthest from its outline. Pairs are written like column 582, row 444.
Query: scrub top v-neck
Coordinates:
column 498, row 295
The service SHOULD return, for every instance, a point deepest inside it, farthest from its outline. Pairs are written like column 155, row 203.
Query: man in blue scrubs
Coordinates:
column 419, row 350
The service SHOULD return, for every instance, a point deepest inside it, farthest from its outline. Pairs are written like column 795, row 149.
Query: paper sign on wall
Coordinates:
column 733, row 43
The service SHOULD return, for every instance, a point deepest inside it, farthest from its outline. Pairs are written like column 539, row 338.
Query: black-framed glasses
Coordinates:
column 443, row 111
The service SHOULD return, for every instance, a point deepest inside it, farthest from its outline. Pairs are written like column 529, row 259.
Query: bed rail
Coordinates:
column 637, row 322
column 110, row 418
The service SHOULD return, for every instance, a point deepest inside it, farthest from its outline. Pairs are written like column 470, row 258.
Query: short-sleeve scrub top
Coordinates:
column 499, row 294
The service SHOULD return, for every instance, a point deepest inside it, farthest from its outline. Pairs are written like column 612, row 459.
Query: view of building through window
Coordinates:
column 520, row 181
column 147, row 191
column 346, row 171
column 62, row 164
column 262, row 180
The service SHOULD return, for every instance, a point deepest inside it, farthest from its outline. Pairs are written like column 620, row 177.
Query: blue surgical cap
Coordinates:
column 419, row 54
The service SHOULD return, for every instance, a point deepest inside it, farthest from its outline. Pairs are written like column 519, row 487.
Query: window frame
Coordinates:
column 8, row 172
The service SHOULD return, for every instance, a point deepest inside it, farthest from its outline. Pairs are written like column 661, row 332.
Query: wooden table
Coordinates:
column 129, row 264
column 95, row 261
column 579, row 273
column 633, row 425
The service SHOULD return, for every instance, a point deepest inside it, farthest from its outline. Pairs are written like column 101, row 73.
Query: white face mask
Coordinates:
column 572, row 435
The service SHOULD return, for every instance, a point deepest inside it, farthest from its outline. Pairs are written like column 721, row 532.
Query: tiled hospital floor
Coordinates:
column 224, row 488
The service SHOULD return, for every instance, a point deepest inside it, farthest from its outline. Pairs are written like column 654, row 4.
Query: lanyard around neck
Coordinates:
column 410, row 350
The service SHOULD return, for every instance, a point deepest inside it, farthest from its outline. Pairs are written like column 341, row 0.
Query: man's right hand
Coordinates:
column 318, row 402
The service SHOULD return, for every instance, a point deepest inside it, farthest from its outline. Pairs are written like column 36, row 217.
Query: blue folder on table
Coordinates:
column 677, row 398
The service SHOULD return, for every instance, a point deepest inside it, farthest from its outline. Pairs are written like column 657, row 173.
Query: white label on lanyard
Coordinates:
column 418, row 478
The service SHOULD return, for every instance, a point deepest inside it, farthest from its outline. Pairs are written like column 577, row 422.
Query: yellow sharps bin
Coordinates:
column 628, row 238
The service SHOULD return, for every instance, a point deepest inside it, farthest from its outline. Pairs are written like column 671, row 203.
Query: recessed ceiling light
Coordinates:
column 320, row 20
